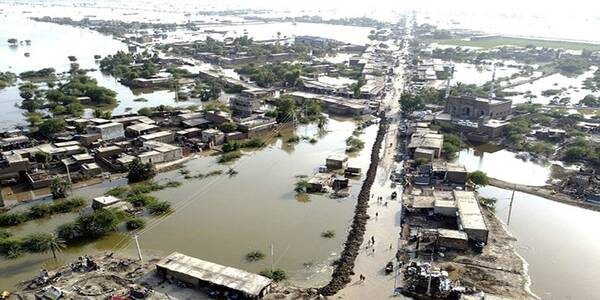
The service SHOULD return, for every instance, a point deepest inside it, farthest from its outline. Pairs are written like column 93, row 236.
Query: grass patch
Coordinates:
column 254, row 256
column 520, row 42
column 276, row 275
column 229, row 156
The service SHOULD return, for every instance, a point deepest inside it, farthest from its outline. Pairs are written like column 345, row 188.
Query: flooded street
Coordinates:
column 559, row 242
column 222, row 218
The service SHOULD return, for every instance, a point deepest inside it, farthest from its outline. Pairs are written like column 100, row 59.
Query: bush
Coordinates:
column 354, row 144
column 98, row 223
column 11, row 219
column 253, row 143
column 59, row 188
column 37, row 242
column 276, row 275
column 141, row 200
column 67, row 205
column 139, row 171
column 135, row 223
column 145, row 187
column 5, row 234
column 229, row 156
column 255, row 256
column 117, row 191
column 479, row 178
column 231, row 146
column 329, row 234
column 11, row 247
column 69, row 231
column 228, row 127
column 159, row 208
column 39, row 211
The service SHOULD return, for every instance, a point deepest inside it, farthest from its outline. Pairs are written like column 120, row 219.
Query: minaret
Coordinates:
column 448, row 82
column 493, row 85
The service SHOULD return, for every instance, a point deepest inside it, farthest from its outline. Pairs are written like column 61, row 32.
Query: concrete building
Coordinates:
column 108, row 131
column 213, row 136
column 140, row 129
column 452, row 239
column 257, row 125
column 243, row 106
column 336, row 161
column 104, row 201
column 427, row 141
column 470, row 218
column 472, row 108
column 160, row 136
column 335, row 105
column 160, row 152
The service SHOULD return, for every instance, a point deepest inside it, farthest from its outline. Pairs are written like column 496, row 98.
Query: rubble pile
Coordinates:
column 344, row 266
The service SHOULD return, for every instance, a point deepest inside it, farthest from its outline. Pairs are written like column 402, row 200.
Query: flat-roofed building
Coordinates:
column 470, row 218
column 109, row 131
column 431, row 141
column 160, row 136
column 140, row 129
column 452, row 239
column 469, row 107
column 336, row 161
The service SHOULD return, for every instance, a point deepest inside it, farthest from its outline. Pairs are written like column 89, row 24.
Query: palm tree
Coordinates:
column 53, row 244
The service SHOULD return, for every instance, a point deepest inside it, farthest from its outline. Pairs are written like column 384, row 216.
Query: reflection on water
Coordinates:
column 222, row 218
column 502, row 164
column 560, row 243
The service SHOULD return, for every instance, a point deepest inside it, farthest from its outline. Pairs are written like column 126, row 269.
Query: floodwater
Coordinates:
column 50, row 46
column 572, row 88
column 478, row 74
column 222, row 218
column 559, row 242
column 504, row 165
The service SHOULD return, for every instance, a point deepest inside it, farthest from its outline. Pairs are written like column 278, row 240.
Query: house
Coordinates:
column 336, row 161
column 470, row 107
column 139, row 129
column 108, row 151
column 108, row 202
column 243, row 105
column 257, row 125
column 199, row 273
column 108, row 131
column 160, row 136
column 430, row 141
column 213, row 136
column 452, row 239
column 167, row 152
column 90, row 169
column 470, row 218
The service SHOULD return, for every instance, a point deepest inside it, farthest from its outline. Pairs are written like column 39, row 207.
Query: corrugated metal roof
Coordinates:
column 235, row 279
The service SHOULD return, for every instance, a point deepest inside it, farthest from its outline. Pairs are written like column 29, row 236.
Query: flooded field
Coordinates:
column 559, row 242
column 478, row 74
column 222, row 218
column 504, row 165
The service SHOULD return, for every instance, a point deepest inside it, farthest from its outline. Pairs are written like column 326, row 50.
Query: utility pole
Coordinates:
column 137, row 244
column 68, row 173
column 512, row 198
column 272, row 254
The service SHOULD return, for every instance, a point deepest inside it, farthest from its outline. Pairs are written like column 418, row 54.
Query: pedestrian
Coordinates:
column 385, row 204
column 373, row 240
column 390, row 246
column 373, row 250
column 376, row 215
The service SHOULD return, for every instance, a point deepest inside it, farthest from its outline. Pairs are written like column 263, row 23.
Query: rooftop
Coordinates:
column 239, row 280
column 469, row 211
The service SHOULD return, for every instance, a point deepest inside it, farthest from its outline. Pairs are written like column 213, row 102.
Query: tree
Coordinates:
column 52, row 126
column 139, row 171
column 42, row 157
column 44, row 242
column 228, row 127
column 59, row 188
column 286, row 110
column 479, row 178
column 411, row 103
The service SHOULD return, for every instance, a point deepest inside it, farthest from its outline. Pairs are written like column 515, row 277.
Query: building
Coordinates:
column 314, row 40
column 336, row 161
column 470, row 218
column 243, row 106
column 426, row 141
column 335, row 105
column 160, row 136
column 257, row 125
column 472, row 108
column 104, row 201
column 108, row 131
column 166, row 152
column 200, row 273
column 213, row 136
column 452, row 239
column 140, row 129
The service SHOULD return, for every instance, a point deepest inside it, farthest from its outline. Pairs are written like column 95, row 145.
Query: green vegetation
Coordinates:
column 121, row 65
column 479, row 178
column 276, row 275
column 139, row 171
column 216, row 105
column 301, row 185
column 500, row 41
column 354, row 144
column 489, row 203
column 141, row 200
column 329, row 234
column 267, row 75
column 254, row 256
column 46, row 73
column 7, row 79
column 117, row 191
column 11, row 219
column 59, row 188
column 452, row 144
column 230, row 156
column 135, row 223
column 159, row 208
column 228, row 127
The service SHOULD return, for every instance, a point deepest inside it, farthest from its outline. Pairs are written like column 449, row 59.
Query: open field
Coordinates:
column 522, row 42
